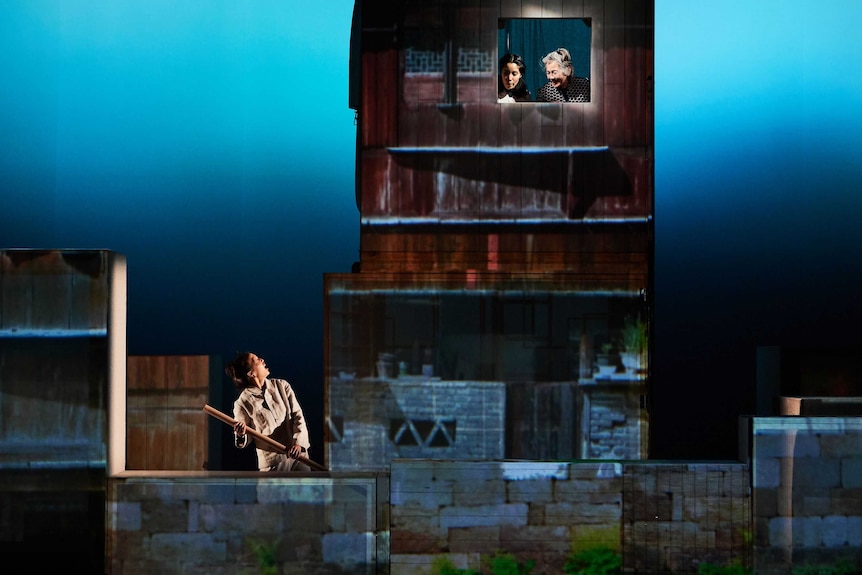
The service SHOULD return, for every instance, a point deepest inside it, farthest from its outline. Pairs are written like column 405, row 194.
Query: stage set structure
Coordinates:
column 487, row 362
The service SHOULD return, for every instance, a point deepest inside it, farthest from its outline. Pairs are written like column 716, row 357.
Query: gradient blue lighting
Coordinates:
column 212, row 144
column 757, row 126
column 209, row 142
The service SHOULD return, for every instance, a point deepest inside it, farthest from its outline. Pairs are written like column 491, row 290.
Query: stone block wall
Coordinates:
column 807, row 491
column 370, row 421
column 677, row 516
column 613, row 423
column 220, row 524
column 659, row 517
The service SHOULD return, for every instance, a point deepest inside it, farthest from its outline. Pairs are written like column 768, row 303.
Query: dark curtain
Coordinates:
column 533, row 38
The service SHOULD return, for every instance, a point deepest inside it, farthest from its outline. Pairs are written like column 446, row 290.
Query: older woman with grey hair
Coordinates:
column 563, row 85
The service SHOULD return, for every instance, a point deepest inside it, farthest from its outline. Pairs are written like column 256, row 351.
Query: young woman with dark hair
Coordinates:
column 511, row 86
column 269, row 406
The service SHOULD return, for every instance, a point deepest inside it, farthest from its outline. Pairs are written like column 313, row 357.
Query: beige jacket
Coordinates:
column 274, row 411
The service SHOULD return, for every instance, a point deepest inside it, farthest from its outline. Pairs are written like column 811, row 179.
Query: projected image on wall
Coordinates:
column 439, row 142
column 500, row 308
column 544, row 60
column 492, row 374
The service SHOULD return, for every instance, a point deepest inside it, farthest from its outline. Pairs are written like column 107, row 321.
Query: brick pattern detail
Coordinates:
column 318, row 526
column 369, row 406
column 660, row 517
column 807, row 491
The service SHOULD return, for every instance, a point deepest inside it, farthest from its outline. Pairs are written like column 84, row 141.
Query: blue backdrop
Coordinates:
column 212, row 144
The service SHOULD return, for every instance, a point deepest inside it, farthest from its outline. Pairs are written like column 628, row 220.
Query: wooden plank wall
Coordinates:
column 546, row 250
column 405, row 112
column 53, row 292
column 53, row 356
column 166, row 425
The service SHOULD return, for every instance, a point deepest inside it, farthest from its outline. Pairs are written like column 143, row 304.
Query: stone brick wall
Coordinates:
column 373, row 421
column 613, row 424
column 659, row 517
column 805, row 509
column 213, row 524
column 679, row 515
column 807, row 486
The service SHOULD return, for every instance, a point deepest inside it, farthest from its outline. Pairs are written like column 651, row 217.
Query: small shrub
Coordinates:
column 444, row 566
column 594, row 561
column 842, row 567
column 506, row 564
column 499, row 564
column 266, row 556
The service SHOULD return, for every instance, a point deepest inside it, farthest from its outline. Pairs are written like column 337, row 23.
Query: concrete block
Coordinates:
column 848, row 444
column 795, row 532
column 784, row 501
column 300, row 489
column 506, row 514
column 846, row 502
column 165, row 516
column 244, row 492
column 193, row 517
column 767, row 472
column 517, row 540
column 423, row 564
column 813, row 473
column 780, row 532
column 348, row 549
column 813, row 505
column 575, row 489
column 406, row 540
column 468, row 471
column 485, row 539
column 429, row 495
column 518, row 471
column 529, row 491
column 851, row 472
column 568, row 513
column 854, row 532
column 412, row 519
column 410, row 472
column 172, row 548
column 125, row 516
column 304, row 518
column 835, row 531
column 475, row 492
column 789, row 443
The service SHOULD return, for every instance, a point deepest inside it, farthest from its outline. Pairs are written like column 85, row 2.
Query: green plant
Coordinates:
column 265, row 555
column 594, row 561
column 842, row 567
column 499, row 564
column 444, row 566
column 506, row 564
column 635, row 337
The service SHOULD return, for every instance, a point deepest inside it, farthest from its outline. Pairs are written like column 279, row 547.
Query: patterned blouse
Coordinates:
column 578, row 90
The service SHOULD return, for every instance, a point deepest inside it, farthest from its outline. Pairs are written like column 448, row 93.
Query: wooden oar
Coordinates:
column 257, row 435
